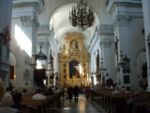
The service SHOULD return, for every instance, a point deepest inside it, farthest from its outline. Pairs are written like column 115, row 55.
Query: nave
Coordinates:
column 83, row 106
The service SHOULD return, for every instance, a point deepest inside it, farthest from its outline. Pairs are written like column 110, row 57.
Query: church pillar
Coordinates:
column 24, row 24
column 5, row 24
column 122, row 26
column 29, row 27
column 128, row 24
column 107, row 60
column 146, row 14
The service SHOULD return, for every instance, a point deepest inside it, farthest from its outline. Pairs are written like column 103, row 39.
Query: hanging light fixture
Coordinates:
column 40, row 59
column 81, row 16
column 41, row 55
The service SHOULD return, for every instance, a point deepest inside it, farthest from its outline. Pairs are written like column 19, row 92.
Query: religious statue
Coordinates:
column 74, row 45
column 126, row 65
column 74, row 68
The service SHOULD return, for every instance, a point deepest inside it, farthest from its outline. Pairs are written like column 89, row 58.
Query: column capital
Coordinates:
column 29, row 20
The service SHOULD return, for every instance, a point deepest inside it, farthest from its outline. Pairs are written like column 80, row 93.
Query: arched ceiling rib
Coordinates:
column 59, row 21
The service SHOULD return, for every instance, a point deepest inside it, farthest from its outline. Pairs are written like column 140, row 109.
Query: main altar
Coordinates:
column 74, row 61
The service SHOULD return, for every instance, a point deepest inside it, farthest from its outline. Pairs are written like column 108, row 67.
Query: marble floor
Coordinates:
column 83, row 106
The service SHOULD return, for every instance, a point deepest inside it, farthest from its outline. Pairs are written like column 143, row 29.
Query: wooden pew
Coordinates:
column 49, row 105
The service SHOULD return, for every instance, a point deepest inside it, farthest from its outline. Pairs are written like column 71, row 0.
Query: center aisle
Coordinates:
column 83, row 106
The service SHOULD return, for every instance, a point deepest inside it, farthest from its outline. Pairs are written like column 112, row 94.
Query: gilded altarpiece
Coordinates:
column 74, row 61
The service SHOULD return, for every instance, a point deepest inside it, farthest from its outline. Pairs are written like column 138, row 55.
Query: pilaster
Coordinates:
column 25, row 16
column 127, row 16
column 106, row 33
column 146, row 14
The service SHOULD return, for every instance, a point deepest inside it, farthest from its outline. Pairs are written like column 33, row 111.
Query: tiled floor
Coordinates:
column 83, row 106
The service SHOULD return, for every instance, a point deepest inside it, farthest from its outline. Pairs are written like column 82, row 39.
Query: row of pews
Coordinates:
column 50, row 105
column 118, row 103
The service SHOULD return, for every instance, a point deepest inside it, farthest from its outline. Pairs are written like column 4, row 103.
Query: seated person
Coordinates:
column 6, row 103
column 38, row 95
column 109, row 83
column 127, row 90
column 49, row 91
column 17, row 97
column 132, row 101
column 2, row 89
column 116, row 91
column 10, row 87
column 24, row 92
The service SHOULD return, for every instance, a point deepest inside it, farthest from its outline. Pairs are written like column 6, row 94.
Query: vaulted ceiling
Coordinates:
column 56, row 13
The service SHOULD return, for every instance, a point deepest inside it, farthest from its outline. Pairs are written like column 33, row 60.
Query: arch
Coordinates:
column 60, row 24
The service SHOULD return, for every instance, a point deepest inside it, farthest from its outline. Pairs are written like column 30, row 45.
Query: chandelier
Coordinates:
column 41, row 55
column 81, row 16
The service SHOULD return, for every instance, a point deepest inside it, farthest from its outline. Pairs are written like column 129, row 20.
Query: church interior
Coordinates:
column 98, row 48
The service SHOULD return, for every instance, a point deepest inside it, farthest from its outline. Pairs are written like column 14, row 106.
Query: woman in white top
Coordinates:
column 38, row 95
column 6, row 103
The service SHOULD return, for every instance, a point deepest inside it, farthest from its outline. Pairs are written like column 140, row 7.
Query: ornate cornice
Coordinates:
column 26, row 20
column 29, row 20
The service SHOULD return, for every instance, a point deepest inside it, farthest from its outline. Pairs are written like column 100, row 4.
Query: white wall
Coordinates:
column 20, row 55
column 128, row 28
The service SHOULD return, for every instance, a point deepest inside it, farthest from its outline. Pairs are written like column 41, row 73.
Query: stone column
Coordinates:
column 128, row 25
column 146, row 14
column 124, row 25
column 29, row 27
column 107, row 51
column 5, row 25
